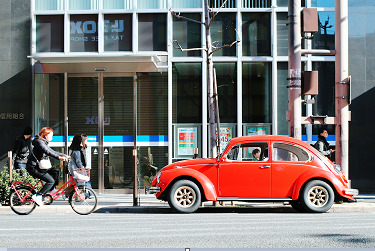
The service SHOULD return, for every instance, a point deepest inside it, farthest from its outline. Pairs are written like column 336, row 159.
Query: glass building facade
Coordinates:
column 110, row 69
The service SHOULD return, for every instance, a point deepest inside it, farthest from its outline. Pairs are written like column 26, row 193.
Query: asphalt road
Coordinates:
column 203, row 229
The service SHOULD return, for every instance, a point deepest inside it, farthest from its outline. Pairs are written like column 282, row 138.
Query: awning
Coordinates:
column 88, row 63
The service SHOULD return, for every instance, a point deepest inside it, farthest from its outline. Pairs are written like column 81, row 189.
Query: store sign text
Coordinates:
column 90, row 27
column 95, row 121
column 12, row 116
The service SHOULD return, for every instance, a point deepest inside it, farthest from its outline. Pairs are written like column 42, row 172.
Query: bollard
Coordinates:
column 10, row 165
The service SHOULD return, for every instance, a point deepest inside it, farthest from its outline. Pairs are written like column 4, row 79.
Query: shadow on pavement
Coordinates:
column 201, row 210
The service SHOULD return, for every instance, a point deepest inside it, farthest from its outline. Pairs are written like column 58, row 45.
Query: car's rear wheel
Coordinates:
column 317, row 197
column 184, row 196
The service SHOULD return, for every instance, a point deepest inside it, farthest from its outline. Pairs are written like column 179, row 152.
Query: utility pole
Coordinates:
column 294, row 69
column 341, row 81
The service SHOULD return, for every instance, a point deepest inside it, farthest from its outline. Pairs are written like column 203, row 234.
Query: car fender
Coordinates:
column 167, row 177
column 316, row 174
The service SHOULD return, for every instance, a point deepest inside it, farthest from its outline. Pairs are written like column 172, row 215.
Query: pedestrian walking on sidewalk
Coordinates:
column 322, row 145
column 77, row 151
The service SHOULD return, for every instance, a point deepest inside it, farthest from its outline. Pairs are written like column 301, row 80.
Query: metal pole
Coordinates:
column 135, row 151
column 10, row 165
column 294, row 69
column 66, row 132
column 217, row 113
column 341, row 90
column 101, row 133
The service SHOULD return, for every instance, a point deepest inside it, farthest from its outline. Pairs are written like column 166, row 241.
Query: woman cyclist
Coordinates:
column 41, row 151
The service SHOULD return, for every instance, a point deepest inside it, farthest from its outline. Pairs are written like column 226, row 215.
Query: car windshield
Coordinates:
column 221, row 154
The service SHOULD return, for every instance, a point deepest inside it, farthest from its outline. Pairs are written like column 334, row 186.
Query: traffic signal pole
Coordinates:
column 342, row 83
column 294, row 69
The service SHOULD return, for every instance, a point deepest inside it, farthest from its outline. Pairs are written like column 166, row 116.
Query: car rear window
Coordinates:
column 288, row 152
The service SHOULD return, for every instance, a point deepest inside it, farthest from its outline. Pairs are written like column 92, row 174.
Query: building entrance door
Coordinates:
column 102, row 107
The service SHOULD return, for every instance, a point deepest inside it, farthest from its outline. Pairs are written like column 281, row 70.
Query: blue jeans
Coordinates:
column 21, row 166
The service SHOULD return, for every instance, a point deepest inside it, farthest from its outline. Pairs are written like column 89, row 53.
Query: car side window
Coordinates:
column 288, row 152
column 249, row 152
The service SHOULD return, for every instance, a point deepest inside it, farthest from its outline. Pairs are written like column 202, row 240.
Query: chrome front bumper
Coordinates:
column 151, row 190
column 351, row 191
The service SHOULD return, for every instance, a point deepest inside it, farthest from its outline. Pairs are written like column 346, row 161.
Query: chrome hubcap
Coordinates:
column 185, row 196
column 318, row 196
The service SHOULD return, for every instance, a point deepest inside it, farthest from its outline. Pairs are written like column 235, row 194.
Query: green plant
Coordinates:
column 17, row 175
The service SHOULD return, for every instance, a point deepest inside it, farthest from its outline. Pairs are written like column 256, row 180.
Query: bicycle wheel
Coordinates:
column 19, row 207
column 84, row 202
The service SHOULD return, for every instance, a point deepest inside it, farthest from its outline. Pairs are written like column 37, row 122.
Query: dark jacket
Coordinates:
column 323, row 146
column 41, row 150
column 21, row 151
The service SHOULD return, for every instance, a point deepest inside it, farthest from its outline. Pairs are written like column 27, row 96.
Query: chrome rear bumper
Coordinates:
column 151, row 190
column 351, row 191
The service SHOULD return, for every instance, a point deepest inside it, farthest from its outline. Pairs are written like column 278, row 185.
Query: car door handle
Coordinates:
column 263, row 167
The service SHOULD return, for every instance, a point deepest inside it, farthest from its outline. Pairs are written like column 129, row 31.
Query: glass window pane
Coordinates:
column 284, row 3
column 256, row 93
column 50, row 33
column 256, row 34
column 223, row 31
column 325, row 37
column 83, row 33
column 226, row 76
column 256, row 3
column 282, row 99
column 49, row 103
column 152, row 32
column 219, row 3
column 83, row 105
column 152, row 103
column 49, row 4
column 117, row 4
column 151, row 4
column 282, row 34
column 118, row 32
column 118, row 105
column 322, row 3
column 187, row 4
column 325, row 101
column 188, row 34
column 83, row 4
column 187, row 93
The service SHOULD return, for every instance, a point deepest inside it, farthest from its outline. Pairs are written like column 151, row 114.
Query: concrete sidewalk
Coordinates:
column 123, row 203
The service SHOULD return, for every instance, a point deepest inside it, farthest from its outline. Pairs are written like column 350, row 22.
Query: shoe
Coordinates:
column 38, row 199
column 53, row 191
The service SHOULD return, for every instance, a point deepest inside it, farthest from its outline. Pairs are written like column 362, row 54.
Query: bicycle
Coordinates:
column 82, row 199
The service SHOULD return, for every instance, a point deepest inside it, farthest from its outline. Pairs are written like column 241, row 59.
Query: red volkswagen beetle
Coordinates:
column 252, row 169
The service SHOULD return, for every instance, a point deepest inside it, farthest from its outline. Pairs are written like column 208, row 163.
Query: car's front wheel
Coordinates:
column 184, row 196
column 317, row 197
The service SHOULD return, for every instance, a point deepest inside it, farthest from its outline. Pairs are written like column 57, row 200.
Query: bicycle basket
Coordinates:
column 80, row 175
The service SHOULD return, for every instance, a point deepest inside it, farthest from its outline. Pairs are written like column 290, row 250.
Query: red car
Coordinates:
column 252, row 169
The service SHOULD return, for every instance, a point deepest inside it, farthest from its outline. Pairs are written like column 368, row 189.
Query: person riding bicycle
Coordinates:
column 41, row 151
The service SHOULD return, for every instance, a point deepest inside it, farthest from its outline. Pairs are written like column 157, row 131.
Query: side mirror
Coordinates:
column 223, row 158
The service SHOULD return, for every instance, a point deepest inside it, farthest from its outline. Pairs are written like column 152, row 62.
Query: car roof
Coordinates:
column 267, row 138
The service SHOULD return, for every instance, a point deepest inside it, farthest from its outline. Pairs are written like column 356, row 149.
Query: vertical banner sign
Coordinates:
column 187, row 140
column 225, row 137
